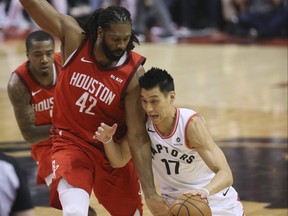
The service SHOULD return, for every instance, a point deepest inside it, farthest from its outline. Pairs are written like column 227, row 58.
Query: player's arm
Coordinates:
column 20, row 98
column 140, row 145
column 118, row 154
column 59, row 25
column 199, row 137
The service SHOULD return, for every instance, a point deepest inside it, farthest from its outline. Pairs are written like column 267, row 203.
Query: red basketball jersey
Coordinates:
column 41, row 96
column 42, row 103
column 87, row 95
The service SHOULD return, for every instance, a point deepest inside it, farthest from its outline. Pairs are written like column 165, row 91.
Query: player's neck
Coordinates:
column 104, row 62
column 44, row 80
column 166, row 126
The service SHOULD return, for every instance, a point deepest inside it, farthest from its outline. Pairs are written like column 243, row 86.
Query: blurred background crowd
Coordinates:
column 170, row 20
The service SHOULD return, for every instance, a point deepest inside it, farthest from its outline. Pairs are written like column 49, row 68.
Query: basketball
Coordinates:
column 189, row 205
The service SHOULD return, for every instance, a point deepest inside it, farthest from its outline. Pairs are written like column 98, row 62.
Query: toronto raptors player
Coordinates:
column 185, row 157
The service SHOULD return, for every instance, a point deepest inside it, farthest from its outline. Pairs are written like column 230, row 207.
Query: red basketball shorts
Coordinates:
column 41, row 153
column 86, row 166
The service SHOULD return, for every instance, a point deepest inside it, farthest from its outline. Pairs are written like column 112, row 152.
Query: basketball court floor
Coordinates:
column 240, row 89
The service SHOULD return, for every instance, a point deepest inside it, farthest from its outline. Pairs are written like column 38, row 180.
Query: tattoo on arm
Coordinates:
column 20, row 98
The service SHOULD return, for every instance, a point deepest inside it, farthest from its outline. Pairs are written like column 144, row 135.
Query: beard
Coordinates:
column 110, row 54
column 45, row 74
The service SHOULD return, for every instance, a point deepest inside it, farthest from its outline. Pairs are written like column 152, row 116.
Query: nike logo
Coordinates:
column 36, row 92
column 86, row 61
column 225, row 193
column 149, row 130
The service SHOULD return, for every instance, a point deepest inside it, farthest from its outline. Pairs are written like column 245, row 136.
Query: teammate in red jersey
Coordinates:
column 31, row 88
column 99, row 84
column 31, row 92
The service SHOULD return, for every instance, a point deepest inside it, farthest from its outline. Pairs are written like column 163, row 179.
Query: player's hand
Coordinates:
column 201, row 192
column 157, row 206
column 104, row 132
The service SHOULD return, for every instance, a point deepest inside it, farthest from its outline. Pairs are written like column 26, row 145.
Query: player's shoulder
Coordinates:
column 138, row 58
column 190, row 117
column 187, row 112
column 14, row 81
column 134, row 82
column 57, row 59
column 136, row 54
column 22, row 68
column 140, row 71
column 57, row 55
column 16, row 88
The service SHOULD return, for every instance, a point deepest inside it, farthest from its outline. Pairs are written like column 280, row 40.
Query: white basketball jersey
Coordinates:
column 179, row 168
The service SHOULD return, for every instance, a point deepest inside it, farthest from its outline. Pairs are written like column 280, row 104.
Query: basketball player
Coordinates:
column 30, row 89
column 15, row 195
column 99, row 83
column 31, row 92
column 185, row 157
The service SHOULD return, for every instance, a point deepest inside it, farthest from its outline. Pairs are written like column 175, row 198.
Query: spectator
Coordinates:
column 256, row 18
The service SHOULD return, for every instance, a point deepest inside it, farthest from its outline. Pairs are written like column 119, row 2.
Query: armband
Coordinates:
column 108, row 140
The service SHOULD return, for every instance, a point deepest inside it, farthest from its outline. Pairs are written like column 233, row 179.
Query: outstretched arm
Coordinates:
column 20, row 98
column 200, row 138
column 118, row 154
column 59, row 25
column 140, row 146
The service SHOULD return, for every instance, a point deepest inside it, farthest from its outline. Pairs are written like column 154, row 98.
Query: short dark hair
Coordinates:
column 104, row 18
column 156, row 77
column 38, row 36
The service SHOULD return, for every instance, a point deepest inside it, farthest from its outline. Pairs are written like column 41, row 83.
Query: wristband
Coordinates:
column 108, row 140
column 208, row 193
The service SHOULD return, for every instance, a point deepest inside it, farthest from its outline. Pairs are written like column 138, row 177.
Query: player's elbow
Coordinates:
column 29, row 139
column 115, row 166
column 118, row 164
column 230, row 182
column 226, row 176
column 229, row 178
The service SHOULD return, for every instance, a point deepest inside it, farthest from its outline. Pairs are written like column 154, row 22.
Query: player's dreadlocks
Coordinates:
column 105, row 17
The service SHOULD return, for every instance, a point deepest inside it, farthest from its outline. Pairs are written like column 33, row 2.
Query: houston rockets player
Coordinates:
column 185, row 157
column 31, row 89
column 31, row 92
column 99, row 83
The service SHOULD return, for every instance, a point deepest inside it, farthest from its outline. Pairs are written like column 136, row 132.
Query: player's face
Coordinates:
column 41, row 57
column 157, row 106
column 115, row 40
